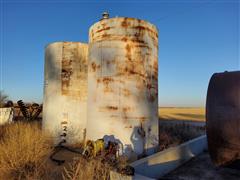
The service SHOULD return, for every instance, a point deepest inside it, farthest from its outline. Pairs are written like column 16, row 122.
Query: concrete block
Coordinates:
column 163, row 162
column 6, row 115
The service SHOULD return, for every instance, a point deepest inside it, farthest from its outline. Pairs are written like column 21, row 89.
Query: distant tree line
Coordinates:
column 3, row 99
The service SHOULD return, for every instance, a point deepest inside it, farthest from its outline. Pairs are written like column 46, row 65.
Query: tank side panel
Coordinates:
column 52, row 89
column 65, row 108
column 123, row 71
column 223, row 117
column 74, row 71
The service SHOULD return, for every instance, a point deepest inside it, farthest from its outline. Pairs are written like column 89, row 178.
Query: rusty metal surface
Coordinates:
column 223, row 117
column 74, row 71
column 65, row 90
column 123, row 83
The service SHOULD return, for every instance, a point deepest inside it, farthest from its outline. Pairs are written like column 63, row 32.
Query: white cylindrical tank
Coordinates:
column 123, row 83
column 65, row 91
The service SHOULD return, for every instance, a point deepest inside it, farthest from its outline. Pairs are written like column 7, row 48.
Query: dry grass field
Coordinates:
column 25, row 154
column 182, row 114
column 24, row 151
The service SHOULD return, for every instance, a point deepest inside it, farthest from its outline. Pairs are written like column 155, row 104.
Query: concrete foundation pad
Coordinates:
column 163, row 162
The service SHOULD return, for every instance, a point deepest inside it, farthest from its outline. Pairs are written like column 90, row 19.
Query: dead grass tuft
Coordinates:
column 24, row 150
column 97, row 168
column 93, row 169
column 174, row 134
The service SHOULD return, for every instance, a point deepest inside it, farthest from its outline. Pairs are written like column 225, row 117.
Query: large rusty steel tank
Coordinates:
column 123, row 83
column 223, row 117
column 65, row 91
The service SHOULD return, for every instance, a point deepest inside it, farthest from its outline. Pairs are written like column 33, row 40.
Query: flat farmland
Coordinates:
column 188, row 114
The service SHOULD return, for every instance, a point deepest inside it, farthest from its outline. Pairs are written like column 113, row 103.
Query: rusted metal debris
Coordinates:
column 223, row 117
column 93, row 148
column 31, row 112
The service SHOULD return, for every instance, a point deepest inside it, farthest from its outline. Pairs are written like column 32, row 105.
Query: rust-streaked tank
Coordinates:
column 65, row 91
column 123, row 83
column 223, row 117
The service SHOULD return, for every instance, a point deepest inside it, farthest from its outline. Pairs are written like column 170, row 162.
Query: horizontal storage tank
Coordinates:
column 123, row 83
column 65, row 91
column 223, row 117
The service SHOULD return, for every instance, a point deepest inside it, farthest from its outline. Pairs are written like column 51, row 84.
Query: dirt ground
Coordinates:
column 201, row 168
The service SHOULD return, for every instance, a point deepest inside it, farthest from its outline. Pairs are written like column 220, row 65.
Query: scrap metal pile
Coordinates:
column 30, row 112
column 96, row 149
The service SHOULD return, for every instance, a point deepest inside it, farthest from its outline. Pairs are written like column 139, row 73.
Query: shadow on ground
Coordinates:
column 201, row 168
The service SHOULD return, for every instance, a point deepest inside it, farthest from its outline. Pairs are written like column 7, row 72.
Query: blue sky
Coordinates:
column 196, row 39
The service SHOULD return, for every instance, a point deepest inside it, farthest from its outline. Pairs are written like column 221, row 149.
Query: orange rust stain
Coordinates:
column 124, row 39
column 109, row 108
column 124, row 23
column 140, row 86
column 94, row 66
column 126, row 92
column 132, row 68
column 134, row 65
column 92, row 35
column 66, row 77
column 137, row 73
column 128, row 54
column 155, row 65
column 113, row 108
column 138, row 41
column 141, row 119
column 104, row 25
column 66, row 62
column 108, row 90
column 106, row 36
column 103, row 29
column 142, row 46
column 107, row 80
column 128, row 126
column 126, row 109
column 67, row 69
column 98, row 80
column 140, row 27
column 128, row 48
column 145, row 28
